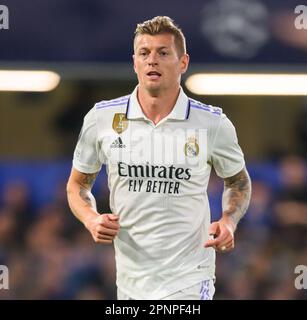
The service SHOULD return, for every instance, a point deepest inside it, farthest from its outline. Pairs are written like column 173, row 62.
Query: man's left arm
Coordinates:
column 235, row 201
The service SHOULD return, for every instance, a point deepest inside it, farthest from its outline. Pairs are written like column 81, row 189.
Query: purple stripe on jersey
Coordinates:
column 204, row 291
column 211, row 110
column 115, row 101
column 113, row 105
column 198, row 105
column 202, row 287
column 196, row 102
column 201, row 107
column 112, row 101
column 118, row 99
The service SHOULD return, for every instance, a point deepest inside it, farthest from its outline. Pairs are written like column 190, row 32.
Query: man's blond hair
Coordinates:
column 160, row 25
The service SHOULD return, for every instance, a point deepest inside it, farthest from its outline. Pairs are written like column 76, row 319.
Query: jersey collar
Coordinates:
column 180, row 111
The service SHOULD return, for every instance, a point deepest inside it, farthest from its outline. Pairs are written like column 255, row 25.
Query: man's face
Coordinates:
column 157, row 63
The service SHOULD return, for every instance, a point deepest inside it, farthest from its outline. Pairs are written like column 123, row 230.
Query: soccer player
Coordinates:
column 159, row 147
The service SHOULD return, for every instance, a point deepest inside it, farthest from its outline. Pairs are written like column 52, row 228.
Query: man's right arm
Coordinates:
column 103, row 227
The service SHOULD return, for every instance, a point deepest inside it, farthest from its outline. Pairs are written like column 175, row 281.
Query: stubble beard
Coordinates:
column 154, row 91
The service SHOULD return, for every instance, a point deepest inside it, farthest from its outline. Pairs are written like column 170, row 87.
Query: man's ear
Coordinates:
column 184, row 63
column 134, row 67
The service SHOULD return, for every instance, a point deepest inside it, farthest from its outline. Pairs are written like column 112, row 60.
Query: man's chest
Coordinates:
column 169, row 144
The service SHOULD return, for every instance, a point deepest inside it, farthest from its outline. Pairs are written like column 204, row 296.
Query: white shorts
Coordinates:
column 201, row 291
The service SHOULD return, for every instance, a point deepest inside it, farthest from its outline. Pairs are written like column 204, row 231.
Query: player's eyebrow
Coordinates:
column 163, row 47
column 159, row 48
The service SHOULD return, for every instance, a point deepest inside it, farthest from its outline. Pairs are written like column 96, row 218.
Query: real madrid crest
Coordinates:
column 120, row 123
column 191, row 148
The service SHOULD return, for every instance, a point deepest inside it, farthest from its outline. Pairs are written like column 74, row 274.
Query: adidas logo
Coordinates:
column 118, row 143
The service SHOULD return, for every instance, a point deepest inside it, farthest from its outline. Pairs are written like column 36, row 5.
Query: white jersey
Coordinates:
column 158, row 177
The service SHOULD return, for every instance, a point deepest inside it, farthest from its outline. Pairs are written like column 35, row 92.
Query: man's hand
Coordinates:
column 236, row 196
column 103, row 228
column 223, row 233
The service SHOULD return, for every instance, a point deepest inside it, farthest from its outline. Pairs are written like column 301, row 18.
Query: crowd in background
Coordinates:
column 50, row 255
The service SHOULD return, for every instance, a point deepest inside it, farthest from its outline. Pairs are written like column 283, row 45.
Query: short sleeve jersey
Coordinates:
column 158, row 176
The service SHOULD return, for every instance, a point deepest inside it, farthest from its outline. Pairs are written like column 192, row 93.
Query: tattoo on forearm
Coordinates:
column 89, row 179
column 236, row 196
column 86, row 196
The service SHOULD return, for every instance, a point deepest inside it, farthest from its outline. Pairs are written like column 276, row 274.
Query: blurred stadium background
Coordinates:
column 88, row 44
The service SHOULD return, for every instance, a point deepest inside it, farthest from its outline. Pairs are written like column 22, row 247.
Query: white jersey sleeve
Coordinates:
column 88, row 157
column 227, row 157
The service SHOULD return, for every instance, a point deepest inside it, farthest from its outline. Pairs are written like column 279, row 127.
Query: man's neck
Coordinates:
column 157, row 107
